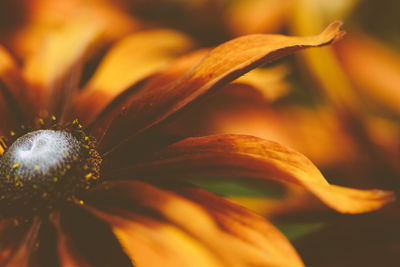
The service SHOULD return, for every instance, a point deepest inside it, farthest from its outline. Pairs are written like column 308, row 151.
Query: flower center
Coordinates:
column 44, row 168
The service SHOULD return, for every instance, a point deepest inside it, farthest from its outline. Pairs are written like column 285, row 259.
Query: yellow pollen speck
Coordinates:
column 12, row 133
column 87, row 176
column 85, row 167
column 53, row 118
column 86, row 138
column 55, row 179
column 44, row 195
column 35, row 186
column 85, row 146
column 68, row 166
column 75, row 158
column 16, row 165
column 81, row 202
column 41, row 121
column 36, row 167
column 8, row 177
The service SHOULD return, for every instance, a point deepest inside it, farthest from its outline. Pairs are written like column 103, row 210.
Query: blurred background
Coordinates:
column 338, row 105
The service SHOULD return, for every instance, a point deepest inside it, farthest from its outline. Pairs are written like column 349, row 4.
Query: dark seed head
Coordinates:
column 44, row 168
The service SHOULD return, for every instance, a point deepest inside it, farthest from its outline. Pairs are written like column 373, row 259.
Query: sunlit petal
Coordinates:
column 221, row 66
column 256, row 158
column 222, row 233
column 130, row 60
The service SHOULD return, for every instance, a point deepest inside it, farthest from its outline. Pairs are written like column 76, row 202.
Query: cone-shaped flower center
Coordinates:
column 43, row 168
column 42, row 152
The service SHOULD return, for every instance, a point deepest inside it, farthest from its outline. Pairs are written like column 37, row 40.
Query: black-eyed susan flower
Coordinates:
column 89, row 176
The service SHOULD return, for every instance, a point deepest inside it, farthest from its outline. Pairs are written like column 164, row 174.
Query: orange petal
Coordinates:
column 11, row 92
column 295, row 127
column 256, row 158
column 11, row 74
column 322, row 64
column 222, row 65
column 257, row 16
column 88, row 240
column 151, row 243
column 186, row 223
column 129, row 61
column 67, row 256
column 170, row 74
column 269, row 83
column 374, row 68
column 12, row 235
column 42, row 16
column 53, row 73
column 295, row 200
column 22, row 256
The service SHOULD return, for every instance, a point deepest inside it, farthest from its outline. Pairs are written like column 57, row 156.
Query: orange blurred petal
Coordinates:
column 222, row 65
column 204, row 226
column 322, row 64
column 374, row 68
column 66, row 257
column 53, row 73
column 12, row 235
column 84, row 240
column 23, row 255
column 269, row 83
column 256, row 158
column 257, row 16
column 43, row 16
column 10, row 73
column 241, row 109
column 129, row 61
column 11, row 92
column 295, row 127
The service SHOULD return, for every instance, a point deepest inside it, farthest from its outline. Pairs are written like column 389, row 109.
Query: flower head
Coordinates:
column 111, row 188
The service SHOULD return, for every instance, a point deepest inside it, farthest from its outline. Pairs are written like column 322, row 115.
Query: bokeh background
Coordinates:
column 338, row 105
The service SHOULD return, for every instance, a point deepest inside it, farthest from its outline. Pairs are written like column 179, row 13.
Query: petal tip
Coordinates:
column 333, row 31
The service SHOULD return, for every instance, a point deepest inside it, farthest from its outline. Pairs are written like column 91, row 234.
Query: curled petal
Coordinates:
column 169, row 75
column 259, row 159
column 222, row 65
column 206, row 227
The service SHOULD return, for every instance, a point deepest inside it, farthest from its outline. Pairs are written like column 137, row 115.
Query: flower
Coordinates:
column 113, row 189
